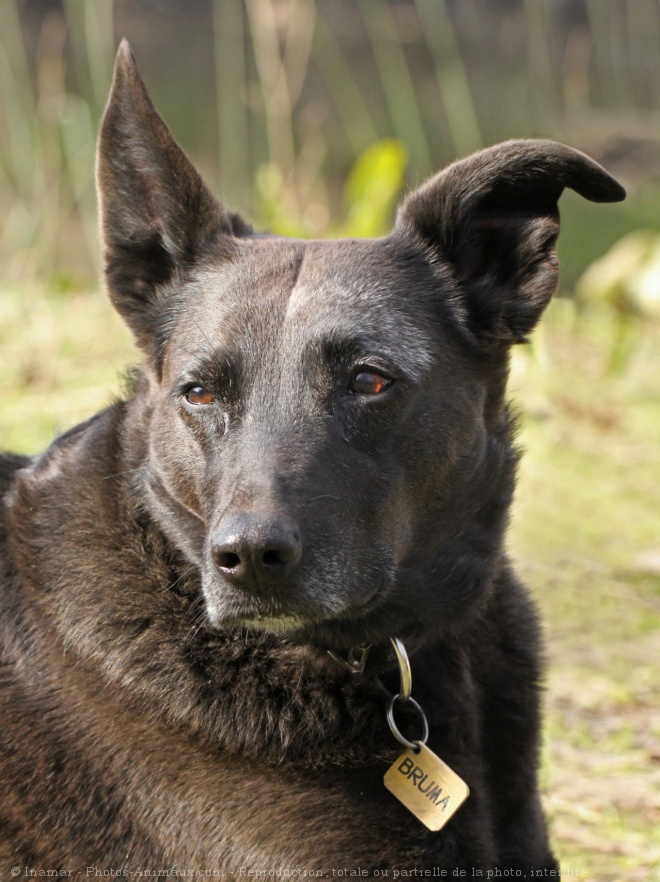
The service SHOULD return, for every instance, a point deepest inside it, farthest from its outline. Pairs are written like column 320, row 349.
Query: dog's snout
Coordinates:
column 256, row 548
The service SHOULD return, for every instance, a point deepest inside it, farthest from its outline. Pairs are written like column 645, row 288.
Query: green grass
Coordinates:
column 586, row 537
column 61, row 359
column 586, row 534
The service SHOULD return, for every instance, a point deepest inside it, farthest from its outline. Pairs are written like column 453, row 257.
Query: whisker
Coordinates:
column 202, row 332
column 176, row 581
column 118, row 474
column 199, row 623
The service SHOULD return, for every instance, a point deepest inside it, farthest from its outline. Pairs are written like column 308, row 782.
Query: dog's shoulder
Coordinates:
column 10, row 463
column 53, row 494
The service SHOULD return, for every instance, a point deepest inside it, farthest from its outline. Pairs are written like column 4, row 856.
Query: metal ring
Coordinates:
column 413, row 745
column 404, row 668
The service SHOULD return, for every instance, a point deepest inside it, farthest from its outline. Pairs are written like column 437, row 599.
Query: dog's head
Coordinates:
column 325, row 429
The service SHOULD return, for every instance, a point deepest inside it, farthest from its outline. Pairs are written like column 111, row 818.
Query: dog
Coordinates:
column 209, row 589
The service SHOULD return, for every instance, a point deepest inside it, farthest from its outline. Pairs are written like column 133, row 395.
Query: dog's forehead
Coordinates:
column 295, row 291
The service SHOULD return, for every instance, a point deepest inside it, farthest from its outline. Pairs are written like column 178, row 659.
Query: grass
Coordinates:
column 61, row 356
column 586, row 536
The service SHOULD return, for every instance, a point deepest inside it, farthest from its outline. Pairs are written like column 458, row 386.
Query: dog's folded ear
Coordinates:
column 157, row 216
column 493, row 218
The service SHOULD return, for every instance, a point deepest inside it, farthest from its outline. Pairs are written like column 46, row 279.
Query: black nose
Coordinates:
column 256, row 548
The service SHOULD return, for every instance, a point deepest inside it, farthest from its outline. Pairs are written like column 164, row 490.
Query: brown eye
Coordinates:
column 370, row 383
column 198, row 395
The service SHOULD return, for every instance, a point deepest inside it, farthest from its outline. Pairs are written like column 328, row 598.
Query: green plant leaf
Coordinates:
column 373, row 185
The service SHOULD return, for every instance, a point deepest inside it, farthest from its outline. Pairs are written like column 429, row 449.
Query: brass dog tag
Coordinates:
column 426, row 786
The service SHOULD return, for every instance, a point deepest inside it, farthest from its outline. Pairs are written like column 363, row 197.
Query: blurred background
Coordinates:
column 312, row 117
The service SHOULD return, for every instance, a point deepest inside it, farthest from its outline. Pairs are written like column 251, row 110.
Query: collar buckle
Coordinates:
column 355, row 659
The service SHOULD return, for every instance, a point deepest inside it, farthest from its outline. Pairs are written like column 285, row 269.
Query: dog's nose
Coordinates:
column 256, row 548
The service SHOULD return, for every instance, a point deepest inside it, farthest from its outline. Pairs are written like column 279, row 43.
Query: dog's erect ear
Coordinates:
column 494, row 218
column 157, row 215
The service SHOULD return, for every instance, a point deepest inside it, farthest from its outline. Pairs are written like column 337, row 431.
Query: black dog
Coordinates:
column 317, row 455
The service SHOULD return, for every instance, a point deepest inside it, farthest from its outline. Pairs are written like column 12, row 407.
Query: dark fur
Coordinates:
column 143, row 725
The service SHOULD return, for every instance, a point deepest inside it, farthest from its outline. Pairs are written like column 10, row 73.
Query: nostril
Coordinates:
column 227, row 560
column 275, row 558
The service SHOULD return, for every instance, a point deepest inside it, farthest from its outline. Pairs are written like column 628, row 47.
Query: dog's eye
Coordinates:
column 369, row 383
column 199, row 395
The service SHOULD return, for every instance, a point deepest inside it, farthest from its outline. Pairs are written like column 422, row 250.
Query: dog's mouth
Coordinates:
column 339, row 627
column 283, row 624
